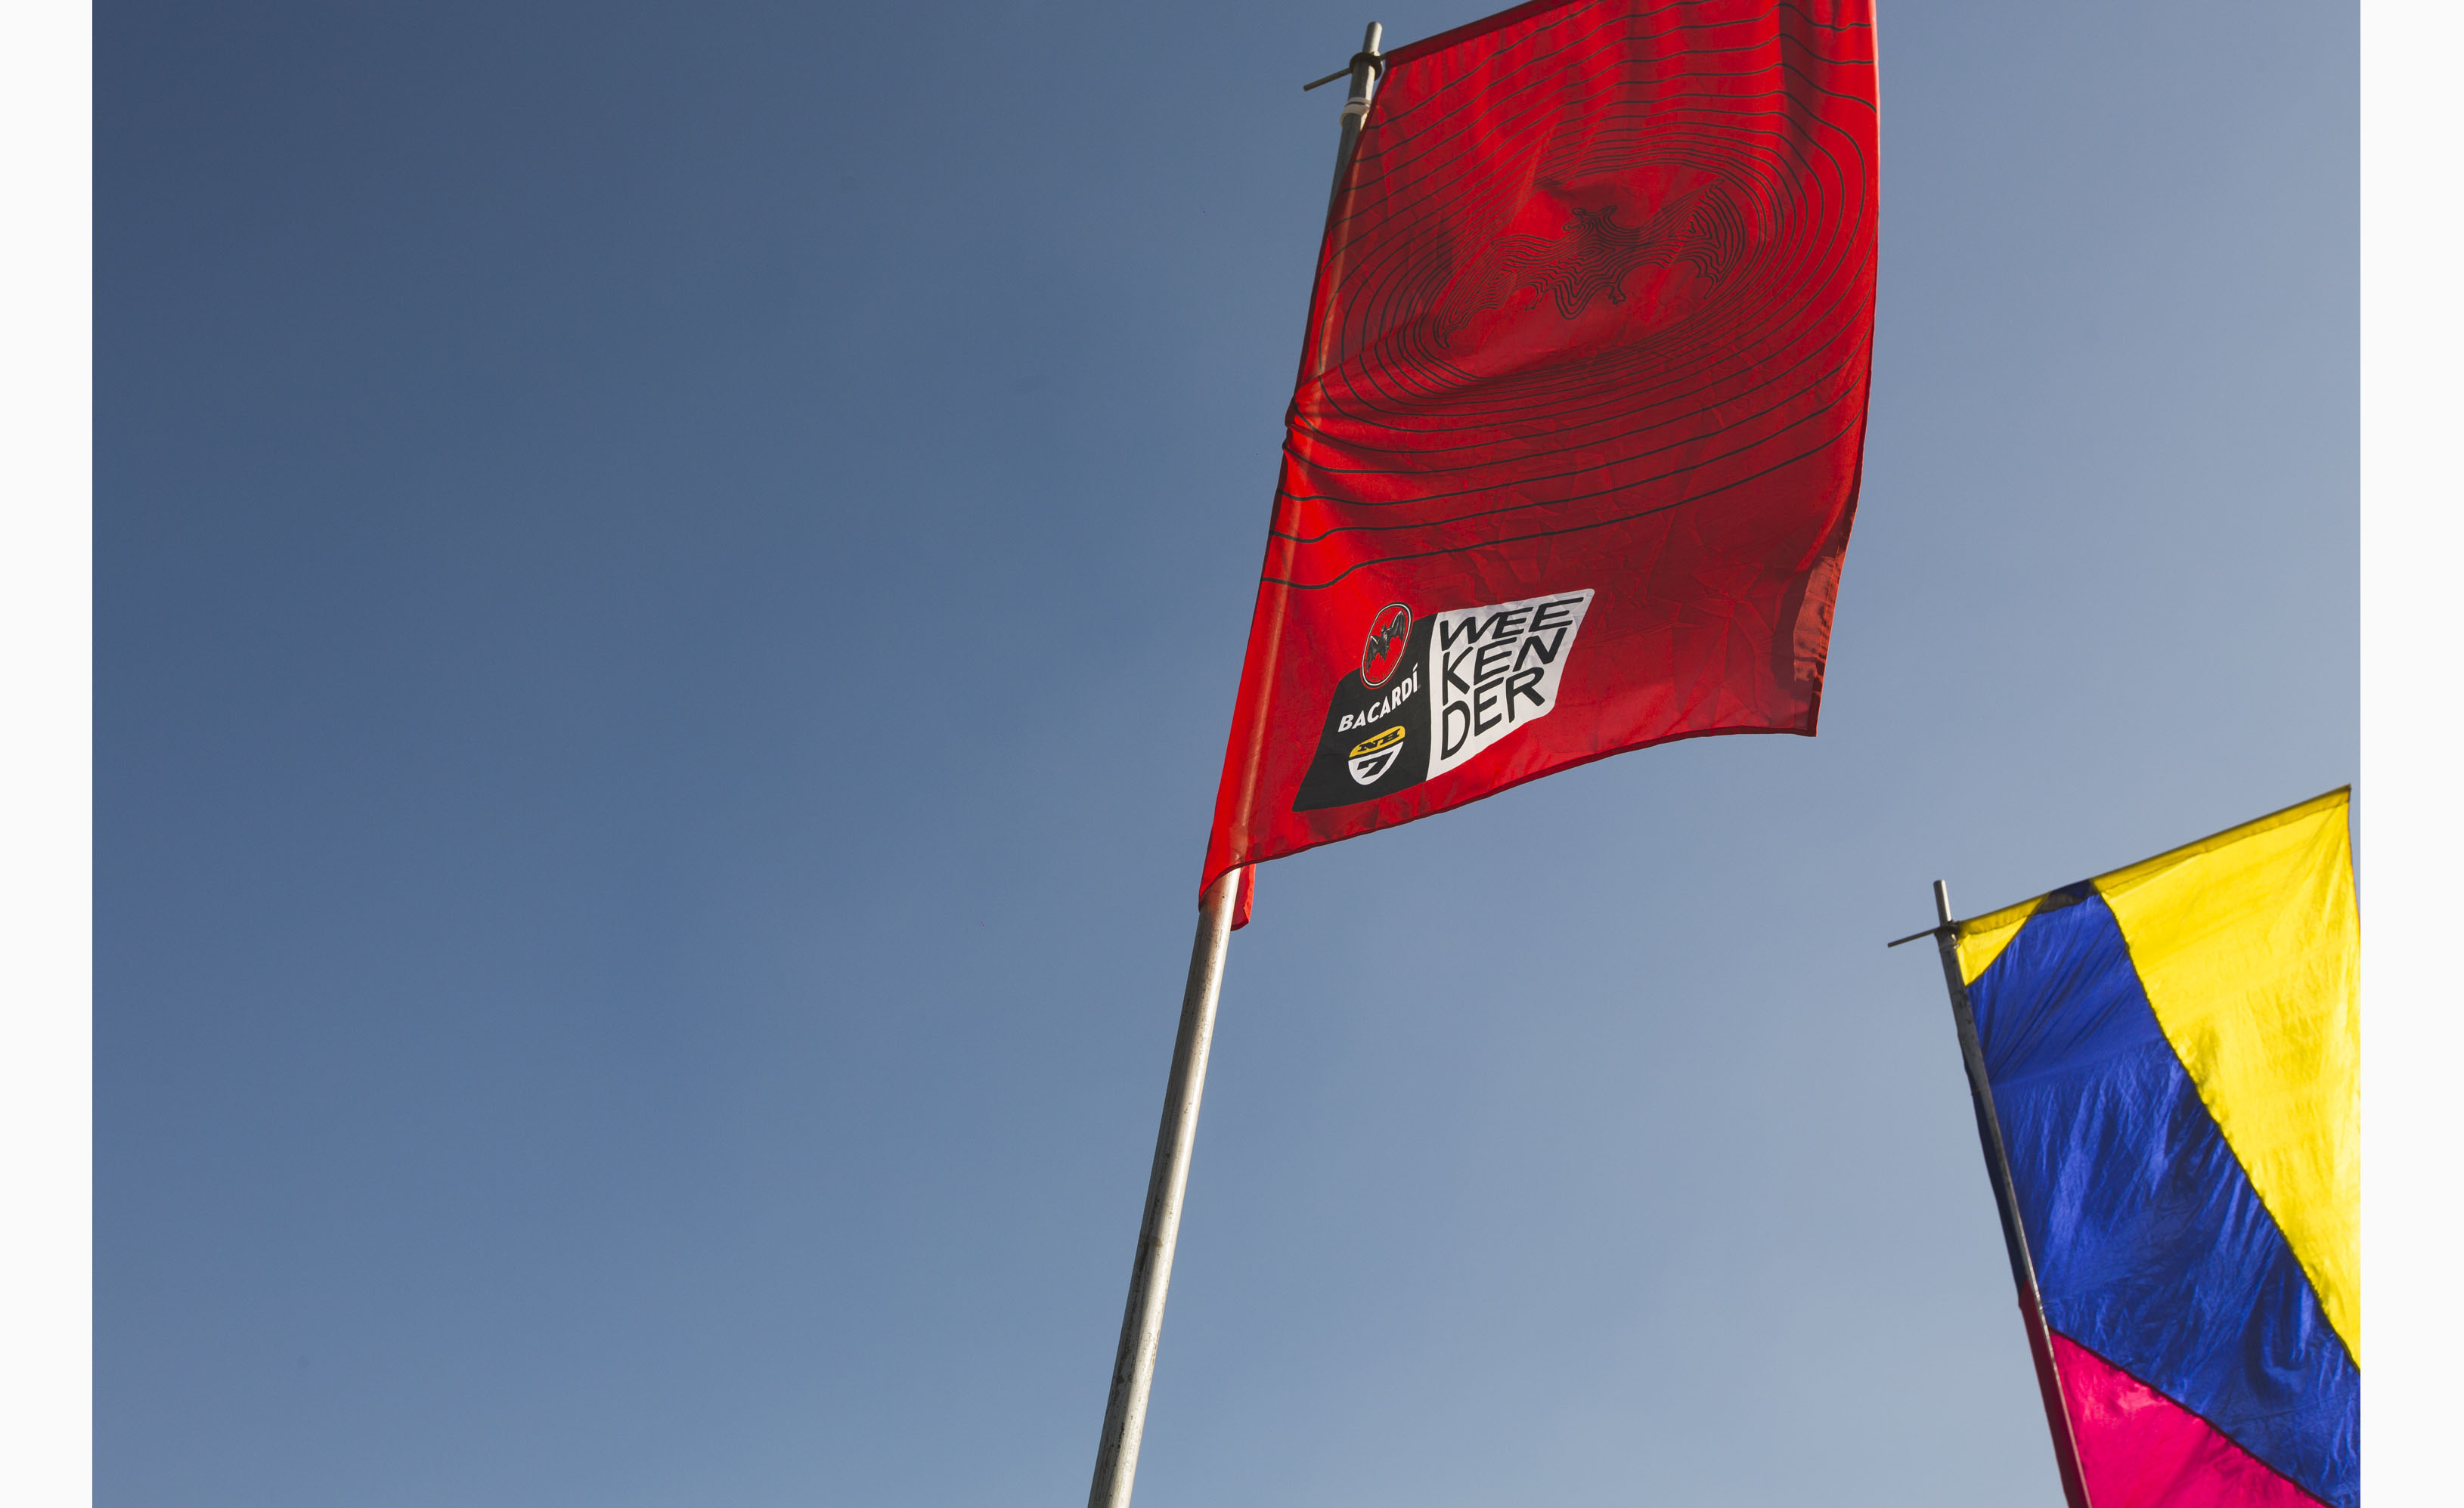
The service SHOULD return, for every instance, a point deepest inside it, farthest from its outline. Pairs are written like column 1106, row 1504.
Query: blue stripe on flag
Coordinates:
column 2151, row 1247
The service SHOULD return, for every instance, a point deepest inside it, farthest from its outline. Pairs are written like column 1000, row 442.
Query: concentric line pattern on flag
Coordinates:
column 1753, row 358
column 2173, row 1050
column 1593, row 313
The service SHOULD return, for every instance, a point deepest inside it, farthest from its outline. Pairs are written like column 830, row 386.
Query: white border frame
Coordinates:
column 46, row 754
column 2412, row 351
column 2413, row 1158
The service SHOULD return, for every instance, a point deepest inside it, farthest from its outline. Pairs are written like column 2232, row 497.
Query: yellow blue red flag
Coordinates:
column 2173, row 1051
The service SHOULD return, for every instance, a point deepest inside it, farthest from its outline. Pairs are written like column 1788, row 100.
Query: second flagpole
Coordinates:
column 2005, row 1201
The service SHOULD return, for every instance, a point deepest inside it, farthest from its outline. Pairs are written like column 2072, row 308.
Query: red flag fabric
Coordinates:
column 1575, row 446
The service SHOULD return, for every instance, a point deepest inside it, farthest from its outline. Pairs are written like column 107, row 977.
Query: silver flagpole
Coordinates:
column 1366, row 65
column 1125, row 1410
column 2006, row 1199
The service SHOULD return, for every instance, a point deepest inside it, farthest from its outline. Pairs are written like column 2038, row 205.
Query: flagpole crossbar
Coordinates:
column 1375, row 61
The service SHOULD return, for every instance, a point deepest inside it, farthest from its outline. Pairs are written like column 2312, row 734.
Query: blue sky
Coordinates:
column 668, row 587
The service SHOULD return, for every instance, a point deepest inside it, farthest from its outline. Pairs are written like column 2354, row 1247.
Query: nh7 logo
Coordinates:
column 1375, row 756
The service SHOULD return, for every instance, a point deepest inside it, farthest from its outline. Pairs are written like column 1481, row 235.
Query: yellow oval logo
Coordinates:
column 1386, row 740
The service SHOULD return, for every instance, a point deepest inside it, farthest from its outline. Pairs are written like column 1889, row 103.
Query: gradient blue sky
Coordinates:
column 668, row 586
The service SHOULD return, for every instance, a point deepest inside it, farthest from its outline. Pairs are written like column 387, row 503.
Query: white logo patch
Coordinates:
column 1497, row 667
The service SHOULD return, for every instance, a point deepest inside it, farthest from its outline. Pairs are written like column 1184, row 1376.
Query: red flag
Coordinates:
column 1575, row 451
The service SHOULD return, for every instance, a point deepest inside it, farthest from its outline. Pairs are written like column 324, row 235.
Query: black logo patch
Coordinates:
column 1376, row 738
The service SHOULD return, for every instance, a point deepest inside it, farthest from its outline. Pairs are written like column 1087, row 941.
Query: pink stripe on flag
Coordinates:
column 2139, row 1449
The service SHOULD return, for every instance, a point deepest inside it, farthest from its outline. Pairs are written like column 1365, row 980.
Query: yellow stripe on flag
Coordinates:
column 2248, row 947
column 1982, row 938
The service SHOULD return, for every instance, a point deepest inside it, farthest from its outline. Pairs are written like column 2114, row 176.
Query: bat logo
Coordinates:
column 1594, row 254
column 1390, row 633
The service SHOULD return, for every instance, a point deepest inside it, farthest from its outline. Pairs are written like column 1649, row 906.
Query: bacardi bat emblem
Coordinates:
column 1388, row 633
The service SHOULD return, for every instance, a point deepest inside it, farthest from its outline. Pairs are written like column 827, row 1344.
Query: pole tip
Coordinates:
column 1369, row 39
column 1942, row 903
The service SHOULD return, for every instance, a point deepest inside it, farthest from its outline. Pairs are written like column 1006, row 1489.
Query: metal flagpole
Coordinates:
column 1124, row 1410
column 2006, row 1202
column 1364, row 68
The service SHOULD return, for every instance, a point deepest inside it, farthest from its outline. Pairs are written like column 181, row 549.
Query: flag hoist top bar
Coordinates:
column 2005, row 1201
column 1125, row 1408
